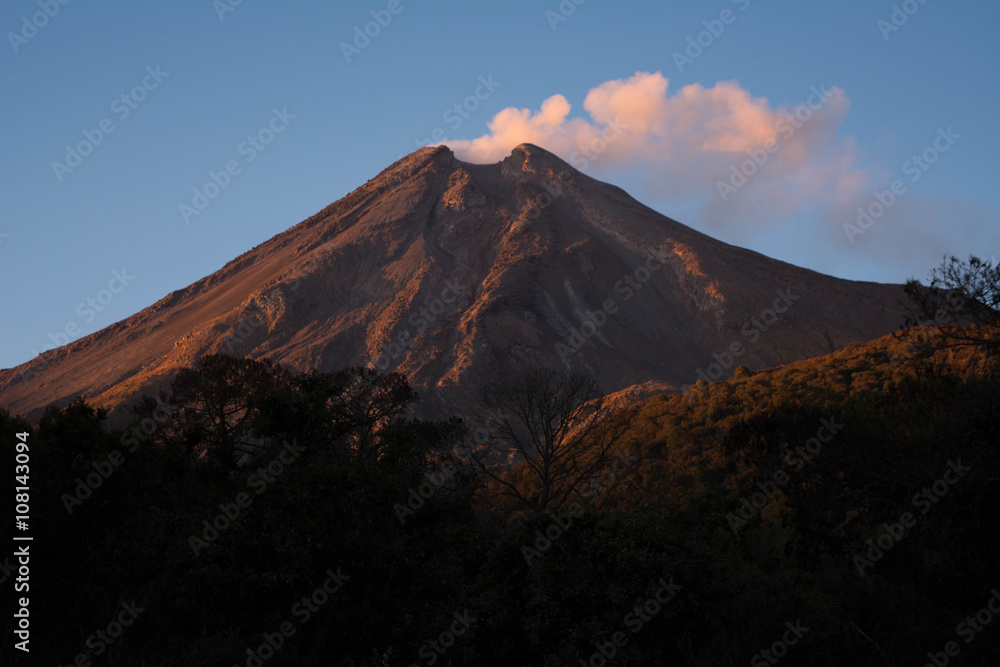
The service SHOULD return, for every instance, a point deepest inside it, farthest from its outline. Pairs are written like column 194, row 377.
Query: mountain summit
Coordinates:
column 457, row 273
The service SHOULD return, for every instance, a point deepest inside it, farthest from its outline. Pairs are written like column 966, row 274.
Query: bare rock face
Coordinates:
column 456, row 274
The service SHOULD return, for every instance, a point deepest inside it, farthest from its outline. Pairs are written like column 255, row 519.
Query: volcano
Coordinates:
column 456, row 274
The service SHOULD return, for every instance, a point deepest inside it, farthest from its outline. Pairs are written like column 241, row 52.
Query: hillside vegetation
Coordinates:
column 835, row 511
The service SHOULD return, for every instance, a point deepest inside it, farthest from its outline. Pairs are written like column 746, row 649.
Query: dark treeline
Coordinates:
column 839, row 511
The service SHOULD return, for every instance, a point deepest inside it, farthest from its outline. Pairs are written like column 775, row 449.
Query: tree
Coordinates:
column 352, row 407
column 959, row 293
column 370, row 402
column 219, row 406
column 559, row 427
column 78, row 429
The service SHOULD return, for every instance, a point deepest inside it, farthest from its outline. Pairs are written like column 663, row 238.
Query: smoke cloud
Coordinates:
column 748, row 171
column 721, row 144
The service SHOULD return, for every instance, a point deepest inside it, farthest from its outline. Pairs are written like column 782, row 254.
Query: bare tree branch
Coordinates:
column 959, row 307
column 556, row 426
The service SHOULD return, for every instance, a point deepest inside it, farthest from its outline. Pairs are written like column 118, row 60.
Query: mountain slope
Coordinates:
column 454, row 274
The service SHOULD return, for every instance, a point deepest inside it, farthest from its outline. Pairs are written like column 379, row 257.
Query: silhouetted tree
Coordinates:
column 959, row 293
column 219, row 406
column 348, row 409
column 77, row 428
column 559, row 425
column 371, row 401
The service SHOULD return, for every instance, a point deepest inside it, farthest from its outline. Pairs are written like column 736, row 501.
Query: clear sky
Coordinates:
column 154, row 97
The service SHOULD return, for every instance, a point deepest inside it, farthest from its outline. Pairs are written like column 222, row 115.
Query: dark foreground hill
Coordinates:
column 835, row 511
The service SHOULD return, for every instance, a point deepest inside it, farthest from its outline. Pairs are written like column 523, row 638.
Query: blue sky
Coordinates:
column 279, row 71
